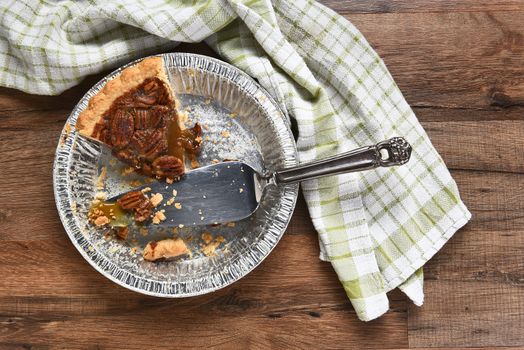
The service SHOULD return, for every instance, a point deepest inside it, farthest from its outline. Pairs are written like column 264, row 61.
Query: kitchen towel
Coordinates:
column 377, row 228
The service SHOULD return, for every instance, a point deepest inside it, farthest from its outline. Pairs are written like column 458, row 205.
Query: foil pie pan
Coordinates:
column 220, row 97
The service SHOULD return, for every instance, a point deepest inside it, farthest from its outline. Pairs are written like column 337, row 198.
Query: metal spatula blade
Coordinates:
column 231, row 191
column 217, row 193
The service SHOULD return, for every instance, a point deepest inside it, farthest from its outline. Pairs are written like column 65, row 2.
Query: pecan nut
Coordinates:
column 151, row 118
column 149, row 143
column 151, row 92
column 132, row 200
column 156, row 89
column 127, row 156
column 122, row 232
column 122, row 128
column 145, row 100
column 143, row 211
column 139, row 203
column 168, row 166
column 190, row 139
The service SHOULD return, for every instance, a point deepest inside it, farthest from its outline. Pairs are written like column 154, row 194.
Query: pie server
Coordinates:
column 231, row 191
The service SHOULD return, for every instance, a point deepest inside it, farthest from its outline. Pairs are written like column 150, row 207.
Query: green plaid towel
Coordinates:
column 377, row 228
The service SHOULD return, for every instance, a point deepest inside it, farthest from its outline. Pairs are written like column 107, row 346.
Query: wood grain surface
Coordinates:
column 460, row 64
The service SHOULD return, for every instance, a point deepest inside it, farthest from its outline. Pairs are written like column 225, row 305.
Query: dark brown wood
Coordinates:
column 270, row 308
column 461, row 66
column 469, row 60
column 423, row 6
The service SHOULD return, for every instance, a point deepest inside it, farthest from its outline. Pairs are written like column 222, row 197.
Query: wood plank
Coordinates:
column 427, row 63
column 54, row 267
column 425, row 6
column 484, row 146
column 458, row 313
column 426, row 53
column 479, row 145
column 461, row 60
column 276, row 306
column 495, row 199
column 467, row 348
column 460, row 71
column 142, row 329
column 436, row 113
column 485, row 257
column 475, row 285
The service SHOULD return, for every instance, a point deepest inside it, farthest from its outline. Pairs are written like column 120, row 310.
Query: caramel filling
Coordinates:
column 112, row 211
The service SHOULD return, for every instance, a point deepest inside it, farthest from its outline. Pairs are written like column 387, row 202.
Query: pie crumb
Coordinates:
column 178, row 205
column 145, row 190
column 206, row 237
column 127, row 170
column 67, row 130
column 174, row 193
column 135, row 183
column 101, row 221
column 122, row 232
column 210, row 248
column 169, row 180
column 170, row 201
column 215, row 161
column 101, row 179
column 156, row 199
column 225, row 134
column 194, row 163
column 101, row 196
column 183, row 117
column 159, row 217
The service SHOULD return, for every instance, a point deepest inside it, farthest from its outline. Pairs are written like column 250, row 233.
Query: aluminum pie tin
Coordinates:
column 220, row 97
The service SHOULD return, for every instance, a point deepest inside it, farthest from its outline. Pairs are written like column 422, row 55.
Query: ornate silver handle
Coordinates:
column 392, row 152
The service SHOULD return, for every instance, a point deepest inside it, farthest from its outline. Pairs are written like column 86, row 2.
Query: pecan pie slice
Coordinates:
column 135, row 114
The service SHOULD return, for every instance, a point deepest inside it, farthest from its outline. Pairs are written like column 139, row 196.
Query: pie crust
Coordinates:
column 127, row 80
column 165, row 249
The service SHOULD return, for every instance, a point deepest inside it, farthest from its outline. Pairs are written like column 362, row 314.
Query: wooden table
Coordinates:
column 460, row 65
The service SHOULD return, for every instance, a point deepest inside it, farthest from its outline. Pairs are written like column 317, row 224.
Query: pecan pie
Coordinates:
column 135, row 114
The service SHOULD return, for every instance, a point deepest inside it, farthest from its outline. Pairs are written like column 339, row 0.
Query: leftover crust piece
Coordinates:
column 165, row 249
